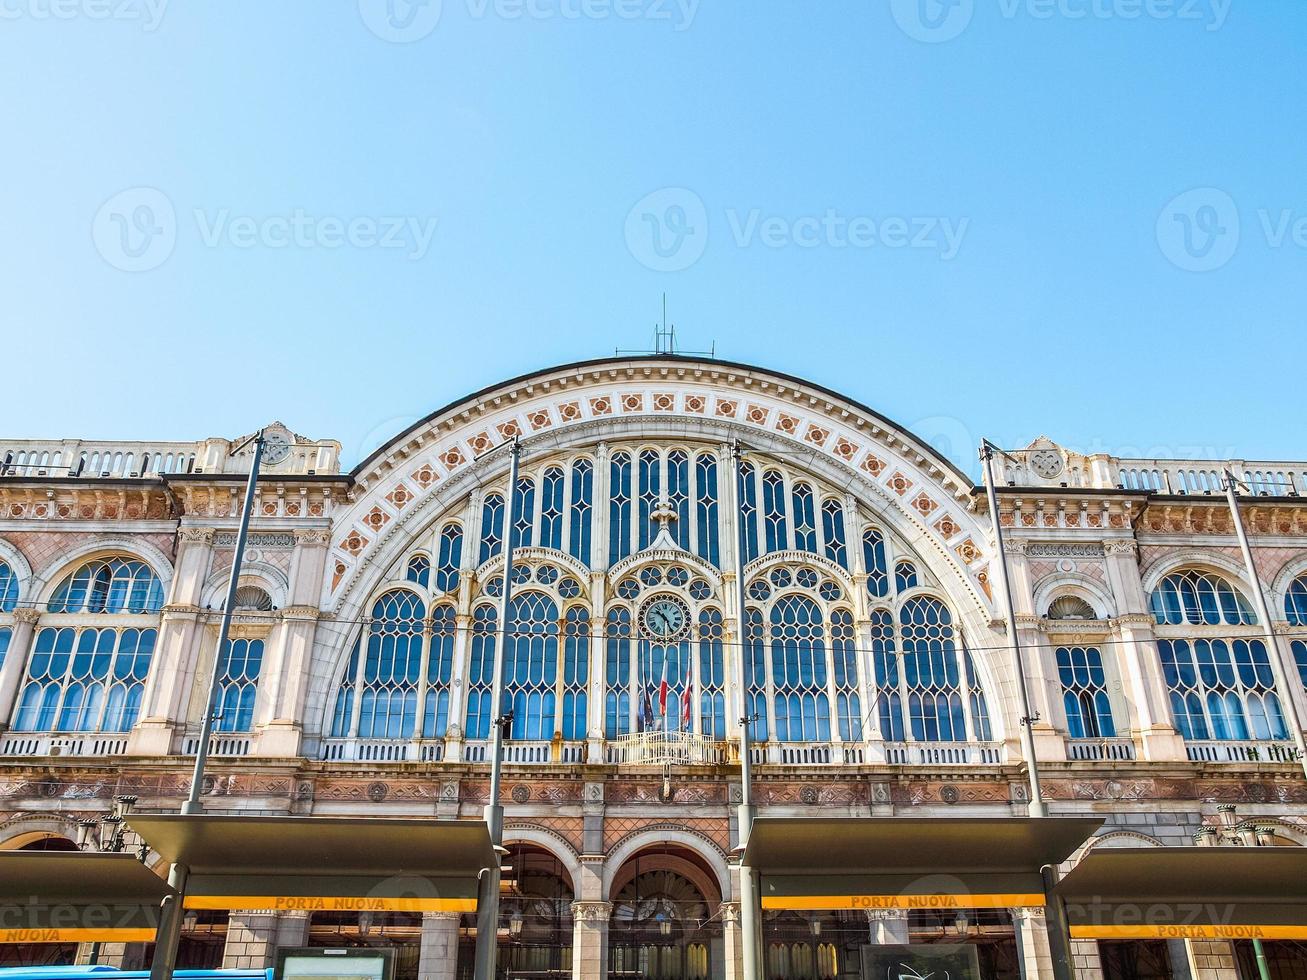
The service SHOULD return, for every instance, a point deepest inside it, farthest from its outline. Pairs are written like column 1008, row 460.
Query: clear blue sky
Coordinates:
column 1052, row 145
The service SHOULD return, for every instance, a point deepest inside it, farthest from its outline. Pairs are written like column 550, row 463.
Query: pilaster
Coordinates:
column 590, row 940
column 1032, row 944
column 15, row 662
column 438, row 952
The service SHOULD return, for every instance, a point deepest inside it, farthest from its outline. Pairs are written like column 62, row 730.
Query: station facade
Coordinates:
column 878, row 675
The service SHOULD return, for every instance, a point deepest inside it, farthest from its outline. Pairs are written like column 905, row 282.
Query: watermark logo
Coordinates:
column 136, row 229
column 148, row 13
column 1198, row 231
column 932, row 21
column 400, row 21
column 667, row 231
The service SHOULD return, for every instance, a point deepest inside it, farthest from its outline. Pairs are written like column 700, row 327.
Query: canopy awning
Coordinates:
column 69, row 897
column 1188, row 893
column 909, row 862
column 323, row 863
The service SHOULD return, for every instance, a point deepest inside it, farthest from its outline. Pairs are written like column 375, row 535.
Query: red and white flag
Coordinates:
column 662, row 689
column 685, row 706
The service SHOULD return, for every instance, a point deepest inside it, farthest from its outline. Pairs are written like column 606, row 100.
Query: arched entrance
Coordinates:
column 666, row 922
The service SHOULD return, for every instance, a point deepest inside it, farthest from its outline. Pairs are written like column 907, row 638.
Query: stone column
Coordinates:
column 732, row 941
column 251, row 940
column 1211, row 959
column 1032, row 944
column 15, row 663
column 438, row 956
column 292, row 929
column 590, row 940
column 887, row 927
column 1084, row 956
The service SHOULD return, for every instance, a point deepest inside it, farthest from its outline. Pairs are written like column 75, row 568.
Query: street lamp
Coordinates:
column 109, row 835
column 1231, row 833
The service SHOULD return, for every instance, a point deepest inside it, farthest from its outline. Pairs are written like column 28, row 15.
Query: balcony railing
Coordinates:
column 1241, row 751
column 877, row 753
column 382, row 750
column 666, row 749
column 56, row 745
column 1100, row 749
column 229, row 746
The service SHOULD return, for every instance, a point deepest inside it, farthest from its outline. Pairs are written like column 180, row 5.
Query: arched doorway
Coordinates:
column 666, row 922
column 535, row 918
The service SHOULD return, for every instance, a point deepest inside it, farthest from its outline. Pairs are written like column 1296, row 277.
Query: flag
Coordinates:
column 645, row 713
column 685, row 707
column 662, row 688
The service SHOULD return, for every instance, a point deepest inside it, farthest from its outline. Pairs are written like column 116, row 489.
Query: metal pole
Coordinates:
column 1037, row 807
column 488, row 885
column 1264, row 615
column 750, row 910
column 1057, row 927
column 170, row 923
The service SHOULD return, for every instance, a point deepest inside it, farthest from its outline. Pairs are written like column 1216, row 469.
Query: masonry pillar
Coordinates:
column 15, row 662
column 292, row 929
column 732, row 941
column 438, row 955
column 251, row 940
column 1084, row 957
column 590, row 940
column 888, row 927
column 1032, row 944
column 1211, row 959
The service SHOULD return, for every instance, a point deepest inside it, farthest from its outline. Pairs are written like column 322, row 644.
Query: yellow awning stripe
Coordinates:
column 315, row 903
column 1188, row 932
column 822, row 902
column 37, row 935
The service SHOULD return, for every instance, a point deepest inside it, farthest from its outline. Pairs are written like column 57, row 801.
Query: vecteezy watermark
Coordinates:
column 136, row 230
column 404, row 21
column 1201, row 230
column 667, row 231
column 149, row 13
column 936, row 21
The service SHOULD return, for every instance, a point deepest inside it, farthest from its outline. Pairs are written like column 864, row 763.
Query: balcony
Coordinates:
column 1100, row 749
column 39, row 744
column 224, row 746
column 878, row 754
column 1273, row 752
column 665, row 749
column 382, row 750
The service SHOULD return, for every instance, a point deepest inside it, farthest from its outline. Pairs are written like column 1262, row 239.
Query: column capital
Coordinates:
column 886, row 915
column 196, row 535
column 441, row 916
column 27, row 616
column 729, row 913
column 312, row 537
column 592, row 912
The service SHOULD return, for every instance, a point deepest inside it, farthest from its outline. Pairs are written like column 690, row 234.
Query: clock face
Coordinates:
column 276, row 447
column 665, row 618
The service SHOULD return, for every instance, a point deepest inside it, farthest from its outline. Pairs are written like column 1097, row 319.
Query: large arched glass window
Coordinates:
column 551, row 508
column 448, row 558
column 705, row 486
column 844, row 651
column 109, row 585
column 241, row 664
column 481, row 671
column 873, row 556
column 440, row 665
column 576, row 672
column 582, row 507
column 619, row 507
column 651, row 473
column 805, row 521
column 492, row 527
column 617, row 673
column 774, row 523
column 889, row 702
column 798, row 662
column 1084, row 692
column 678, row 494
column 832, row 525
column 1295, row 602
column 1220, row 687
column 531, row 666
column 712, row 675
column 8, row 588
column 748, row 497
column 392, row 667
column 755, row 666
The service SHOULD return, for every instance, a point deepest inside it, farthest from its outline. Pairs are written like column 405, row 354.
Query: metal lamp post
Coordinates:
column 170, row 922
column 488, row 885
column 1264, row 616
column 109, row 835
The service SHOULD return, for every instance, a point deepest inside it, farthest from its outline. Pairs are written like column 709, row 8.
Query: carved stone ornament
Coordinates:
column 378, row 792
column 521, row 793
column 592, row 913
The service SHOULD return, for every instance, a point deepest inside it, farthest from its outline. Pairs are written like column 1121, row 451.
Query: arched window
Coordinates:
column 582, row 507
column 1219, row 687
column 748, row 494
column 705, row 486
column 755, row 666
column 1084, row 693
column 524, row 508
column 889, row 703
column 440, row 665
column 905, row 575
column 712, row 676
column 930, row 671
column 109, row 585
column 449, row 557
column 392, row 667
column 8, row 588
column 1196, row 598
column 798, row 661
column 844, row 652
column 805, row 522
column 773, row 511
column 85, row 680
column 832, row 526
column 619, row 507
column 551, row 508
column 873, row 556
column 481, row 671
column 576, row 672
column 1295, row 601
column 492, row 527
column 531, row 666
column 651, row 472
column 242, row 660
column 418, row 571
column 678, row 494
column 617, row 673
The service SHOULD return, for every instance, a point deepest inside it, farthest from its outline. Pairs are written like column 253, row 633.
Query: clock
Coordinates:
column 665, row 618
column 276, row 447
